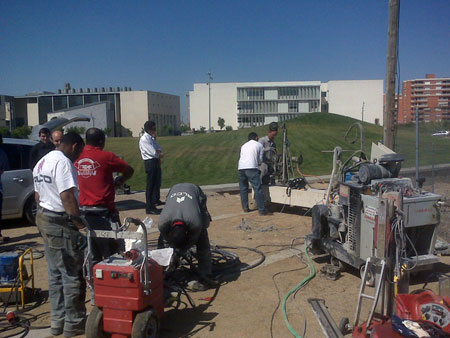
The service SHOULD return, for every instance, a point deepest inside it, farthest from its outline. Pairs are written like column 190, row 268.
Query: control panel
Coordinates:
column 435, row 313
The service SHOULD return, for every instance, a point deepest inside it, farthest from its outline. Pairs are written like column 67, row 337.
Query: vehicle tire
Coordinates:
column 94, row 324
column 145, row 325
column 344, row 326
column 30, row 210
column 370, row 275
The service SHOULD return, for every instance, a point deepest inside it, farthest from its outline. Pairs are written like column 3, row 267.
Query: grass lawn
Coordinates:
column 212, row 158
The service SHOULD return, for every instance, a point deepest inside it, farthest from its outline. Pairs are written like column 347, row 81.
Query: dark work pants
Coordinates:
column 151, row 169
column 103, row 248
column 203, row 251
column 157, row 190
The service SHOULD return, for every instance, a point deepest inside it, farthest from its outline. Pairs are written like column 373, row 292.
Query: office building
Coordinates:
column 246, row 104
column 131, row 108
column 430, row 96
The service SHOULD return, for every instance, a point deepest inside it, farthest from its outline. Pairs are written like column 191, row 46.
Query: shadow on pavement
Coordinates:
column 129, row 205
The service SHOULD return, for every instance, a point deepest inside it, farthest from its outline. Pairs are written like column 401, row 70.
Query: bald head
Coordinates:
column 95, row 137
column 56, row 138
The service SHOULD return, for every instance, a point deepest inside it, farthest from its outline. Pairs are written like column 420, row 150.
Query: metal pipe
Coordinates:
column 417, row 147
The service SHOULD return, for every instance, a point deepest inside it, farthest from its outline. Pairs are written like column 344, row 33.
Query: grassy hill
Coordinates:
column 212, row 158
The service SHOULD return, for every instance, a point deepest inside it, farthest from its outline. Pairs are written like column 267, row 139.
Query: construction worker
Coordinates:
column 95, row 168
column 270, row 151
column 58, row 221
column 250, row 158
column 42, row 148
column 183, row 223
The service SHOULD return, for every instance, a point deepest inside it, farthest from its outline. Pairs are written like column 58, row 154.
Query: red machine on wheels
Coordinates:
column 129, row 294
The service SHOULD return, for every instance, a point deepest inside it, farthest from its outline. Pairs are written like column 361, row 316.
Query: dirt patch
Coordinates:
column 249, row 305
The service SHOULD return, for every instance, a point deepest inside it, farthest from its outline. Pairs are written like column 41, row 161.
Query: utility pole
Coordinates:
column 209, row 97
column 362, row 112
column 389, row 123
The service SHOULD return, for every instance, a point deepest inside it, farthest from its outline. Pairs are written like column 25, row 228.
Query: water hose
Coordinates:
column 305, row 281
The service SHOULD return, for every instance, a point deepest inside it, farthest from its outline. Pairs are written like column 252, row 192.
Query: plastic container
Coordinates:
column 9, row 263
column 349, row 177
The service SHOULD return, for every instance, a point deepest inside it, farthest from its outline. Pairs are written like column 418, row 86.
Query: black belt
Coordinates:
column 59, row 213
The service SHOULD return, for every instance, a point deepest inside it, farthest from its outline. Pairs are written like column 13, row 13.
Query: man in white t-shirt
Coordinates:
column 56, row 192
column 251, row 157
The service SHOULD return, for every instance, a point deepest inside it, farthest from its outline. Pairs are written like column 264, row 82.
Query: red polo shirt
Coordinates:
column 95, row 169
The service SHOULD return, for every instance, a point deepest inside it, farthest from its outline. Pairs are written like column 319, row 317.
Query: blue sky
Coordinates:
column 167, row 46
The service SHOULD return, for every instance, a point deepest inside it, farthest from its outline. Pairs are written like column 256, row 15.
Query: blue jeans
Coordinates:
column 67, row 288
column 252, row 176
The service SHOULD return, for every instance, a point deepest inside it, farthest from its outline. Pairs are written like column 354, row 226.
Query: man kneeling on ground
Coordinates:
column 183, row 223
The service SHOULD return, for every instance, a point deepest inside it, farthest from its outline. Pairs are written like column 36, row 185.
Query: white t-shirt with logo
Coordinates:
column 53, row 174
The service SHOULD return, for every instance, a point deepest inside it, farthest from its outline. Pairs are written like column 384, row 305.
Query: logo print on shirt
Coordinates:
column 180, row 199
column 40, row 166
column 87, row 167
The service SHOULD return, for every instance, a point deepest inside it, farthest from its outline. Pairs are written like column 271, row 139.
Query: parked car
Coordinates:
column 441, row 133
column 18, row 189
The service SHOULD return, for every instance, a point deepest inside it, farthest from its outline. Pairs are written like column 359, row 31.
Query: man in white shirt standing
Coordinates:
column 251, row 157
column 58, row 221
column 151, row 153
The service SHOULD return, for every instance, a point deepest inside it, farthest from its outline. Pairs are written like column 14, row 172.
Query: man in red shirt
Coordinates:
column 95, row 169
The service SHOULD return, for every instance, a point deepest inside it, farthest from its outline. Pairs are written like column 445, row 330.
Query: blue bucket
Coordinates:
column 9, row 263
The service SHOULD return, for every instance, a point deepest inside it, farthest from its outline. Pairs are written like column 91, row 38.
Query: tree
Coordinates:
column 221, row 123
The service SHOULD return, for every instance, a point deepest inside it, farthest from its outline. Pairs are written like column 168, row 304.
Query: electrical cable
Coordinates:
column 300, row 285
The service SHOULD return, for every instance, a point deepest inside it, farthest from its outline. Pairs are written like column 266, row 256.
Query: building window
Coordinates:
column 59, row 102
column 90, row 99
column 75, row 100
column 293, row 107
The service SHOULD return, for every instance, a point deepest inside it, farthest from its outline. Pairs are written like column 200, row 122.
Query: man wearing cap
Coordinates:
column 42, row 148
column 183, row 223
column 270, row 153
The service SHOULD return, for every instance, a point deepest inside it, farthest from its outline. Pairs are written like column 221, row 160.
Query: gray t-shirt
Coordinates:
column 185, row 202
column 270, row 149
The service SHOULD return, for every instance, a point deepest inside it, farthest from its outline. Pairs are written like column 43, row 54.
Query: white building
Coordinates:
column 130, row 108
column 245, row 104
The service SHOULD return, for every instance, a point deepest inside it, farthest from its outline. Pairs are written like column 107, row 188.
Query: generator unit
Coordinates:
column 356, row 222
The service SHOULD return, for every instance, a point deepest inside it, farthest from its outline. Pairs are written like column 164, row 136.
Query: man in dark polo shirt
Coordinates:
column 42, row 148
column 95, row 168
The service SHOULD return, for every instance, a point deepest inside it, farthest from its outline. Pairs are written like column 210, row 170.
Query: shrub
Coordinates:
column 76, row 129
column 21, row 132
column 228, row 128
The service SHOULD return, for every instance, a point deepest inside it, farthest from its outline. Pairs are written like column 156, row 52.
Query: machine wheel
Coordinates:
column 94, row 324
column 145, row 325
column 336, row 262
column 30, row 210
column 344, row 326
column 370, row 276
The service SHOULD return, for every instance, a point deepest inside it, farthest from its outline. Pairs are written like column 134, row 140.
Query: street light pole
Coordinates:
column 209, row 96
